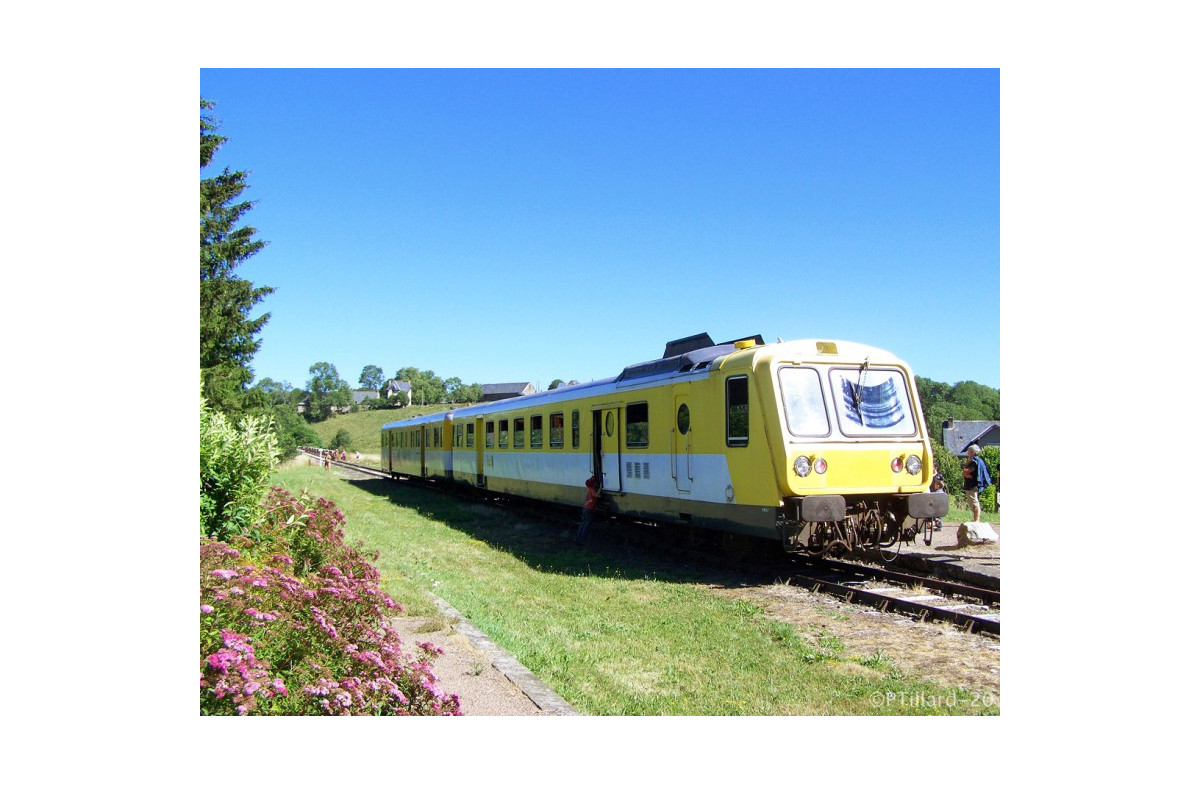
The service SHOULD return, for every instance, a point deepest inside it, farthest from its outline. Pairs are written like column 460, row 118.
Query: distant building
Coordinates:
column 361, row 395
column 397, row 387
column 498, row 392
column 958, row 435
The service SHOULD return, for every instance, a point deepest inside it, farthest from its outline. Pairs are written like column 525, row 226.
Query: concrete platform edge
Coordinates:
column 534, row 688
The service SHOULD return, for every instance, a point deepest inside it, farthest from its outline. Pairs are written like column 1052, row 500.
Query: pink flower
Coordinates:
column 206, row 609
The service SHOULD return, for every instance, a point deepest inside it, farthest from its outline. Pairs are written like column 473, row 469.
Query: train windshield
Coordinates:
column 803, row 402
column 872, row 402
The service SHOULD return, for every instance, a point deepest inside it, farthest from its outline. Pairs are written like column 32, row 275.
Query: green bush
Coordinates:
column 341, row 439
column 987, row 499
column 235, row 466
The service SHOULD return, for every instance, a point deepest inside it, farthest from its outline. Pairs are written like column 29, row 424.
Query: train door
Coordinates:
column 423, row 437
column 479, row 478
column 681, row 445
column 606, row 425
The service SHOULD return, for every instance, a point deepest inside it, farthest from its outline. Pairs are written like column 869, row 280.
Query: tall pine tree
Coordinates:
column 227, row 333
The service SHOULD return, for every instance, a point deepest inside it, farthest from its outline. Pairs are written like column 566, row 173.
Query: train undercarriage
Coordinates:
column 832, row 525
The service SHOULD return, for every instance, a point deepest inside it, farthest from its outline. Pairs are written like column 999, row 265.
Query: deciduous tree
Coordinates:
column 960, row 401
column 371, row 378
column 326, row 390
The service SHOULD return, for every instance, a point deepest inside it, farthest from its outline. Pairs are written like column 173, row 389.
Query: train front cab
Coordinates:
column 849, row 436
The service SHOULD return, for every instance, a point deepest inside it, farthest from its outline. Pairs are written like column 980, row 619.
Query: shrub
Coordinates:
column 987, row 499
column 295, row 624
column 235, row 468
column 341, row 439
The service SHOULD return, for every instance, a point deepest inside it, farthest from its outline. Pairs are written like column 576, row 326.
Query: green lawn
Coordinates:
column 613, row 630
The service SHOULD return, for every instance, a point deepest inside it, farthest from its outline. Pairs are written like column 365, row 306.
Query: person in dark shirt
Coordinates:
column 975, row 480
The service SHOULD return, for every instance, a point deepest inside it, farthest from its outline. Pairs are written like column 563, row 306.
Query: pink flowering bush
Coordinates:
column 293, row 622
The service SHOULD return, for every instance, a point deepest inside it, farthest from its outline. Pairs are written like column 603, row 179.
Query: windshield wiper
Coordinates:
column 858, row 396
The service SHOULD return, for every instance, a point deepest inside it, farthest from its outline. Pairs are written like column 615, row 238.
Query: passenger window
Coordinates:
column 575, row 430
column 504, row 434
column 556, row 431
column 535, row 432
column 470, row 434
column 519, row 433
column 737, row 411
column 489, row 436
column 637, row 425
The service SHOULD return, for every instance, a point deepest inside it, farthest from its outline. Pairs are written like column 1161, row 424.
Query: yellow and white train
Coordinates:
column 816, row 444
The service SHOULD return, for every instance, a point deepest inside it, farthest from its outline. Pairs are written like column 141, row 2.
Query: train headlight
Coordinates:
column 913, row 465
column 802, row 466
column 820, row 466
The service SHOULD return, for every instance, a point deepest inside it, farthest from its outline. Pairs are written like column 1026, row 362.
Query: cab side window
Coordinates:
column 737, row 411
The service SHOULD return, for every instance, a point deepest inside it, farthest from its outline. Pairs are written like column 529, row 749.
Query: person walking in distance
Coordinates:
column 589, row 508
column 975, row 480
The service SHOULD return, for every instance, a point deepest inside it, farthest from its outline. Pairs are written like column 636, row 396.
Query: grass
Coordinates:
column 613, row 630
column 960, row 514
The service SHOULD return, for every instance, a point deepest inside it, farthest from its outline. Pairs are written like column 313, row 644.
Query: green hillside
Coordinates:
column 364, row 426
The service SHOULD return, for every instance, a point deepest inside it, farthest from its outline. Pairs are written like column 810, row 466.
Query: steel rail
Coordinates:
column 883, row 602
column 984, row 595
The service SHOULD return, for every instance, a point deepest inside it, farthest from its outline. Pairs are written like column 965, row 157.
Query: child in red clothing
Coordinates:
column 589, row 508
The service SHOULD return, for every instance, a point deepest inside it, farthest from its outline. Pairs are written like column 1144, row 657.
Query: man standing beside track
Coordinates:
column 975, row 480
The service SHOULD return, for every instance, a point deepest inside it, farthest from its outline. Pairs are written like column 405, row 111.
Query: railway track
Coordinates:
column 973, row 608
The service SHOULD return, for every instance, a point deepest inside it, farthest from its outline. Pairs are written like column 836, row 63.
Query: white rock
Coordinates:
column 976, row 534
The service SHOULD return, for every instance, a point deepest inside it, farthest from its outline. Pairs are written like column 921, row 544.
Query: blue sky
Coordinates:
column 504, row 226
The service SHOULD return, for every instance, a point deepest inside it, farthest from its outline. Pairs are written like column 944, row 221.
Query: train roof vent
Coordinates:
column 684, row 345
column 684, row 362
column 693, row 353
